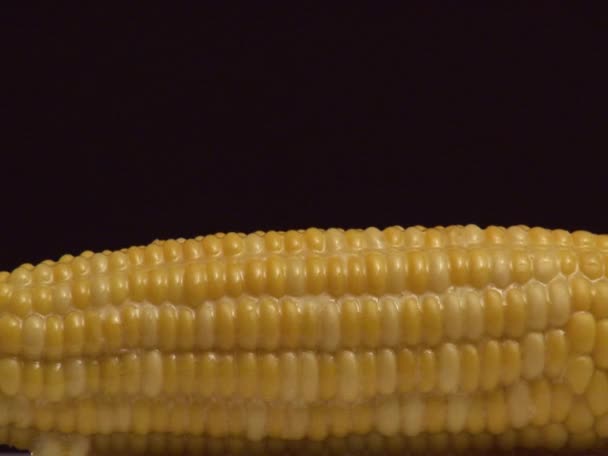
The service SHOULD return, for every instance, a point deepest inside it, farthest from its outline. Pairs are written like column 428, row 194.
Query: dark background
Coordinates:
column 122, row 126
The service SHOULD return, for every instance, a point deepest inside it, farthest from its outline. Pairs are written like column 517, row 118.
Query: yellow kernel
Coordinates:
column 597, row 393
column 580, row 332
column 370, row 321
column 119, row 288
column 195, row 283
column 591, row 264
column 10, row 334
column 42, row 300
column 515, row 314
column 246, row 326
column 568, row 261
column 540, row 393
column 32, row 380
column 449, row 368
column 581, row 293
column 10, row 376
column 435, row 415
column 494, row 319
column 54, row 382
column 545, row 265
column 157, row 286
column 296, row 276
column 559, row 307
column 439, row 271
column 33, row 336
column 413, row 415
column 469, row 368
column 21, row 302
column 453, row 313
column 418, row 274
column 224, row 333
column 533, row 355
column 459, row 266
column 53, row 341
column 411, row 321
column 396, row 265
column 501, row 268
column 431, row 320
column 81, row 293
column 294, row 241
column 376, row 268
column 491, row 361
column 556, row 353
column 519, row 404
column 580, row 417
column 511, row 362
column 496, row 412
column 276, row 271
column 112, row 330
column 599, row 299
column 537, row 306
column 473, row 316
column 406, row 370
column 521, row 266
column 216, row 277
column 561, row 402
column 316, row 274
column 74, row 333
column 427, row 365
column 579, row 370
column 479, row 268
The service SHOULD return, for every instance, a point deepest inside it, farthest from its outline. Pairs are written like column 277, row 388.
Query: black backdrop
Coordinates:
column 122, row 126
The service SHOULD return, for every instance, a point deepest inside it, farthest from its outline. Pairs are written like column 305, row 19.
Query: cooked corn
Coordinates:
column 362, row 341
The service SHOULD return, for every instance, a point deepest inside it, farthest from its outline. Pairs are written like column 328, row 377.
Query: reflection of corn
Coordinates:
column 359, row 340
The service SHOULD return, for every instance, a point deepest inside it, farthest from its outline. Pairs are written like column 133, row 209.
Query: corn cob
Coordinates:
column 312, row 341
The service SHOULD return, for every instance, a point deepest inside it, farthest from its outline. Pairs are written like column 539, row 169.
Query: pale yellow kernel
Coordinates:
column 515, row 314
column 153, row 255
column 42, row 274
column 81, row 293
column 556, row 353
column 473, row 315
column 44, row 419
column 414, row 237
column 393, row 236
column 185, row 328
column 246, row 325
column 112, row 329
column 216, row 277
column 309, row 376
column 449, row 368
column 579, row 370
column 427, row 370
column 495, row 234
column 479, row 265
column 170, row 374
column 540, row 393
column 418, row 273
column 591, row 264
column 533, row 355
column 157, row 286
column 254, row 243
column 500, row 271
column 291, row 324
column 207, row 374
column 328, row 377
column 330, row 336
column 80, row 266
column 255, row 277
column 110, row 375
column 6, row 291
column 74, row 333
column 539, row 236
column 226, row 375
column 10, row 376
column 521, row 266
column 152, row 373
column 296, row 276
column 318, row 423
column 476, row 421
column 559, row 308
column 348, row 376
column 387, row 416
column 581, row 293
column 568, row 261
column 370, row 321
column 407, row 377
column 118, row 261
column 469, row 368
column 600, row 350
column 357, row 280
column 65, row 417
column 118, row 284
column 276, row 272
column 62, row 298
column 54, row 381
column 494, row 319
column 42, row 300
column 32, row 380
column 224, row 334
column 33, row 336
column 195, row 283
column 599, row 299
column 453, row 317
column 496, row 411
column 387, row 371
column 362, row 418
column 131, row 373
column 389, row 321
column 294, row 241
column 336, row 276
column 411, row 321
column 491, row 360
column 597, row 393
column 456, row 414
column 268, row 324
column 53, row 340
column 561, row 402
column 511, row 362
column 367, row 373
column 396, row 265
column 350, row 327
column 377, row 273
column 580, row 417
column 546, row 266
column 435, row 414
column 537, row 306
column 580, row 332
column 340, row 423
column 233, row 244
column 234, row 278
column 519, row 404
column 431, row 320
column 274, row 242
column 137, row 285
column 193, row 249
column 459, row 266
column 21, row 302
column 413, row 415
column 94, row 338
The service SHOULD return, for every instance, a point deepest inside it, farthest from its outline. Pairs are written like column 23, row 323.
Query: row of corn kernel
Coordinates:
column 497, row 411
column 316, row 322
column 313, row 241
column 310, row 376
